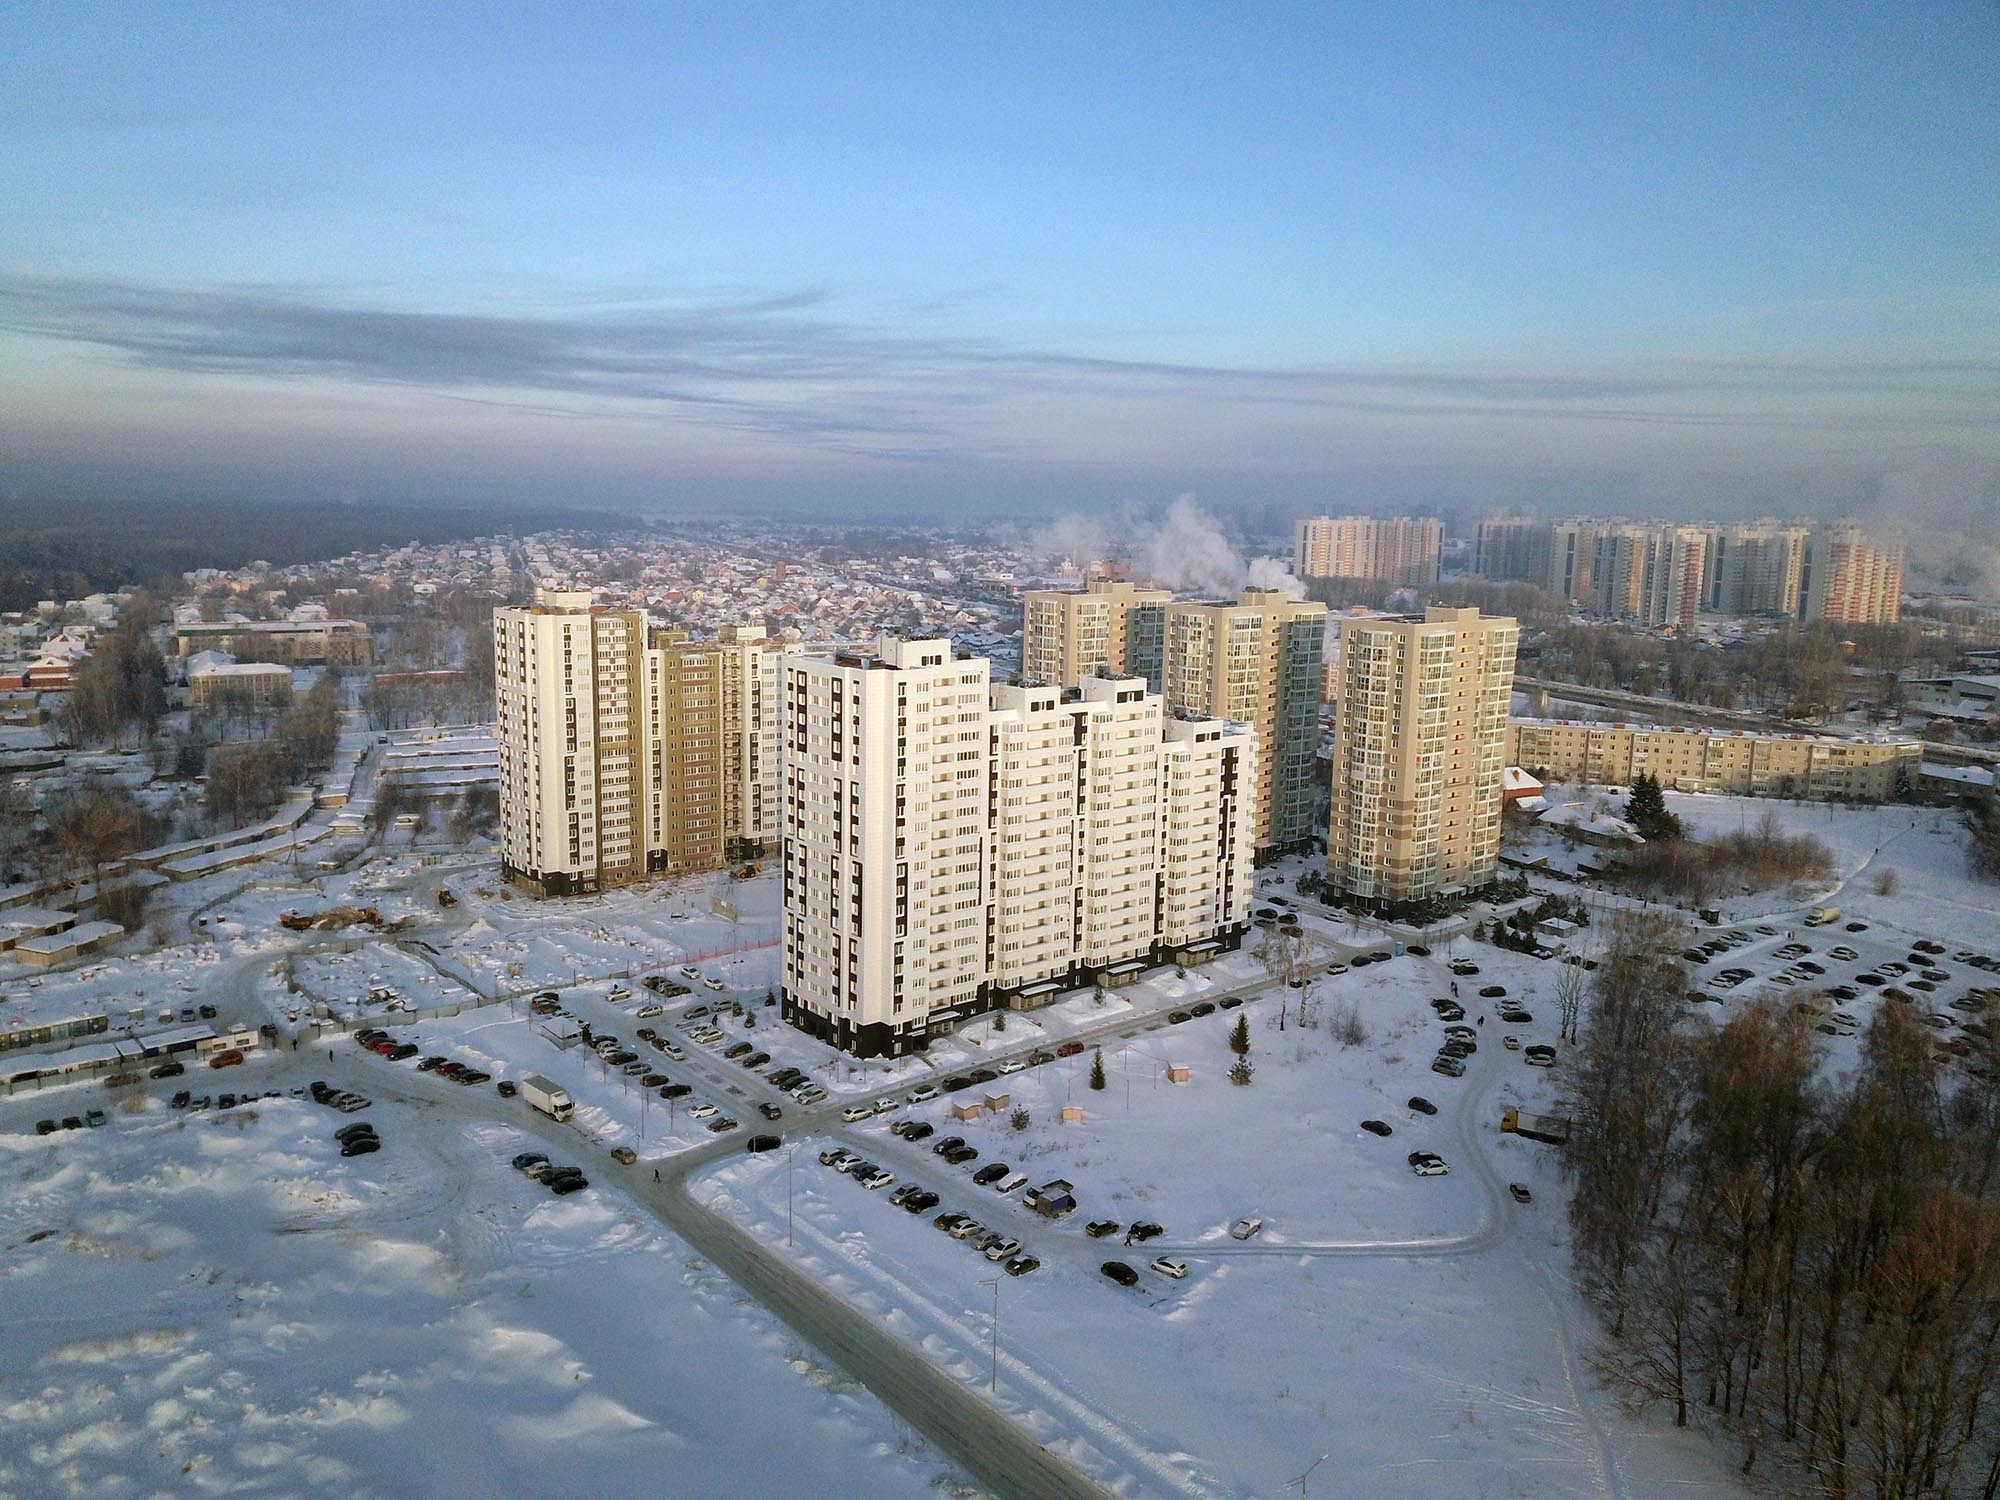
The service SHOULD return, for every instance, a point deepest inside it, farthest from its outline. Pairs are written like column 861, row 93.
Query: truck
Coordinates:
column 1822, row 916
column 1553, row 1129
column 547, row 1097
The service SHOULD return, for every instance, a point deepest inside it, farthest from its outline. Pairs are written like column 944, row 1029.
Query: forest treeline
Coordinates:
column 1809, row 1255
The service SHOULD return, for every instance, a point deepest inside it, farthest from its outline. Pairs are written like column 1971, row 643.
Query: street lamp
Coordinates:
column 788, row 1195
column 994, row 1282
column 1300, row 1481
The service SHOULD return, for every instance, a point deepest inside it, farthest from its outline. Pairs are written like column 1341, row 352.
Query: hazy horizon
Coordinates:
column 969, row 265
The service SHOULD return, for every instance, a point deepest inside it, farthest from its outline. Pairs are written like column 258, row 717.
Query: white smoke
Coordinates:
column 1946, row 506
column 1274, row 573
column 1189, row 551
column 1072, row 538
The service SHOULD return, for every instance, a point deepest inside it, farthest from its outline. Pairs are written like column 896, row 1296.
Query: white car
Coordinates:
column 647, row 1012
column 1243, row 1229
column 1511, row 1043
column 1168, row 1267
column 711, row 983
column 854, row 1114
column 883, row 1106
column 1005, row 1250
column 702, row 1111
column 1012, row 1065
column 878, row 1179
column 673, row 1051
column 690, row 971
column 923, row 1094
column 1430, row 1166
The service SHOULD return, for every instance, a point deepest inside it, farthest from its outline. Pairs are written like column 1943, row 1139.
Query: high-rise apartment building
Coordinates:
column 1512, row 549
column 951, row 845
column 1111, row 628
column 1754, row 568
column 1403, row 550
column 1419, row 755
column 1851, row 579
column 749, row 664
column 1256, row 660
column 614, row 750
column 1648, row 573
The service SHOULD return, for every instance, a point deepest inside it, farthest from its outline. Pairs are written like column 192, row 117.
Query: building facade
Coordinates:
column 1851, row 579
column 1256, row 661
column 299, row 643
column 1419, row 756
column 1111, row 628
column 1754, row 569
column 952, row 845
column 615, row 755
column 1714, row 760
column 1403, row 550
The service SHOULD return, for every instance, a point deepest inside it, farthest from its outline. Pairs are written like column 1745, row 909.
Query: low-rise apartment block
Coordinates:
column 1714, row 760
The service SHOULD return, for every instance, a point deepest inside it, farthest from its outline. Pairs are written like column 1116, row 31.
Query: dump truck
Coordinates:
column 1551, row 1128
column 550, row 1099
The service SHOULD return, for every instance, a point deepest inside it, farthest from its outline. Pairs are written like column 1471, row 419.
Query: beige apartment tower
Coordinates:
column 1850, row 579
column 1256, row 661
column 1419, row 756
column 613, row 747
column 1112, row 628
column 1403, row 550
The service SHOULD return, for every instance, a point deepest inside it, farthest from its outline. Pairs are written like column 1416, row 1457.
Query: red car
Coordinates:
column 227, row 1059
column 1069, row 1049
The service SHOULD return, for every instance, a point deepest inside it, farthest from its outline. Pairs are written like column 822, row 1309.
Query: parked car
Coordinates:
column 1167, row 1266
column 1422, row 1105
column 1069, row 1049
column 1021, row 1265
column 1377, row 1127
column 1428, row 1164
column 855, row 1113
column 624, row 1155
column 1097, row 1229
column 923, row 1093
column 758, row 1143
column 361, row 1146
column 227, row 1059
column 1520, row 1192
column 991, row 1173
column 1119, row 1272
column 1451, row 1067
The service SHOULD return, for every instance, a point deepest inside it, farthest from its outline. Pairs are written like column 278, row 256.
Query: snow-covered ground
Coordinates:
column 220, row 1304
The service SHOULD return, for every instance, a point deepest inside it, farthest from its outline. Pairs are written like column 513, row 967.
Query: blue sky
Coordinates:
column 1696, row 258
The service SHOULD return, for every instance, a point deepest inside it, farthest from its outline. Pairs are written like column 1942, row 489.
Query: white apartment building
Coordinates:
column 1419, row 756
column 951, row 845
column 885, row 820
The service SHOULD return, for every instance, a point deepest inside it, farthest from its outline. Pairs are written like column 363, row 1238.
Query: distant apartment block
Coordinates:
column 618, row 757
column 952, row 845
column 1658, row 574
column 298, row 643
column 1851, row 579
column 1714, row 760
column 1419, row 756
column 1754, row 569
column 1111, row 628
column 1402, row 550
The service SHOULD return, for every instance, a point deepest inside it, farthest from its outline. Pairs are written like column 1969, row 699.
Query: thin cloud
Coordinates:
column 787, row 364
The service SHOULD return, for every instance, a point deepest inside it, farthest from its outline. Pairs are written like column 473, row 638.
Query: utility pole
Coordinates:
column 788, row 1195
column 1300, row 1481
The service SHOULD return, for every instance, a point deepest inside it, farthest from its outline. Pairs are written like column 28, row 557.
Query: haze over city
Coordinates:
column 848, row 262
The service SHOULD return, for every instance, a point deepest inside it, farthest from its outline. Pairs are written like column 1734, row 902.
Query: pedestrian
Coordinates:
column 656, row 1174
column 329, row 1054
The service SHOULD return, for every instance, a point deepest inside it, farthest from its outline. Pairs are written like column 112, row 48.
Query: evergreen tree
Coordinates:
column 1240, row 1073
column 1647, row 809
column 1239, row 1036
column 1097, row 1069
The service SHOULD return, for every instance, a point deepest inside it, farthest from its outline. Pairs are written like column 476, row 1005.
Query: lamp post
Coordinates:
column 1300, row 1481
column 994, row 1282
column 788, row 1195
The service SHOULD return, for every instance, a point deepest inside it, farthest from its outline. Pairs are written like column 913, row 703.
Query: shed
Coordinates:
column 998, row 1102
column 1072, row 1114
column 55, row 947
column 1177, row 1073
column 962, row 1111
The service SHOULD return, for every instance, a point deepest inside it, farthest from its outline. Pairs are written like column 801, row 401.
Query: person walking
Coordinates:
column 656, row 1174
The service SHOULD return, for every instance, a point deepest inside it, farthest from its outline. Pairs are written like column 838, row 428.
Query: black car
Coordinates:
column 1097, row 1229
column 168, row 1070
column 949, row 1143
column 1230, row 1002
column 991, row 1173
column 953, row 1085
column 652, row 1080
column 770, row 1111
column 506, row 1089
column 1422, row 1105
column 561, row 1185
column 674, row 1091
column 402, row 1053
column 180, row 1100
column 756, row 1059
column 431, row 1064
column 917, row 1130
column 959, row 1155
column 1492, row 991
column 1175, row 1019
column 921, row 1201
column 1418, row 949
column 208, row 1012
column 982, row 1075
column 528, row 1159
column 46, row 1127
column 1206, row 1008
column 352, row 1132
column 1142, row 1231
column 758, row 1143
column 1121, row 1273
column 361, row 1145
column 1377, row 1127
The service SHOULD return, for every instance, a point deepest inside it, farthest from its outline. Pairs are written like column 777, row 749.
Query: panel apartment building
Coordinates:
column 1715, row 760
column 1255, row 660
column 616, row 754
column 1419, row 756
column 1403, row 550
column 1112, row 628
column 952, row 845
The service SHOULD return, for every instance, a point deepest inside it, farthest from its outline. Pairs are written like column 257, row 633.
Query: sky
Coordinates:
column 1703, row 259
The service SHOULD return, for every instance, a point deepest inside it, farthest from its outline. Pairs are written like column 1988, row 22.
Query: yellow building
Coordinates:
column 1111, row 629
column 1714, row 760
